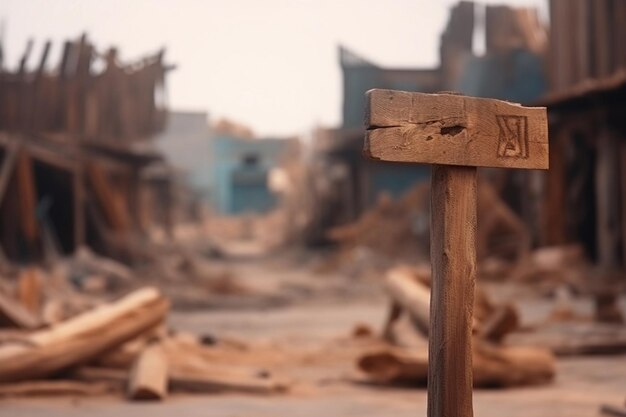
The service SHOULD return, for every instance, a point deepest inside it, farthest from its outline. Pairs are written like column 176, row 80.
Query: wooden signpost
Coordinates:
column 456, row 134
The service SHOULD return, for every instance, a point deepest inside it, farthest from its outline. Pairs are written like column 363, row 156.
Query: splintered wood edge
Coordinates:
column 454, row 130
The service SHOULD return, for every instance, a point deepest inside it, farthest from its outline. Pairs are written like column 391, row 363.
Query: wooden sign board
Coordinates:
column 454, row 130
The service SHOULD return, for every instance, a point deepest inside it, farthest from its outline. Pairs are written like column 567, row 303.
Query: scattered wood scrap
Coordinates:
column 148, row 377
column 409, row 290
column 398, row 230
column 495, row 365
column 120, row 346
column 82, row 338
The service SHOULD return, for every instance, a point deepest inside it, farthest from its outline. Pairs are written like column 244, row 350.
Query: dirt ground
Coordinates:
column 315, row 316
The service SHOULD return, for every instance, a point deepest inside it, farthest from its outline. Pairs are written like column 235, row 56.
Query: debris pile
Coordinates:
column 405, row 359
column 114, row 346
column 398, row 230
column 77, row 163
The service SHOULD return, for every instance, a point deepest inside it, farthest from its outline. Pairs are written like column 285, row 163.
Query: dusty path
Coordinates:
column 326, row 389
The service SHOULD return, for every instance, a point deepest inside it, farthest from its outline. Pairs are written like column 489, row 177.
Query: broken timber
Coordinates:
column 456, row 134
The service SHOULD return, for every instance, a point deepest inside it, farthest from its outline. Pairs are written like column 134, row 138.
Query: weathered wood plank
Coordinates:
column 453, row 258
column 411, row 127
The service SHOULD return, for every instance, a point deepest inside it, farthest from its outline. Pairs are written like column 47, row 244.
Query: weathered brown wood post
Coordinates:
column 456, row 134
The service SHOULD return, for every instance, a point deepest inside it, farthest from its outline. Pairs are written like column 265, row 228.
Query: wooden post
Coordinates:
column 453, row 259
column 607, row 195
column 78, row 187
column 456, row 134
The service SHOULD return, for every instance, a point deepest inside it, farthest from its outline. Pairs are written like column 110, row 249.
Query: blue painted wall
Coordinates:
column 240, row 169
column 359, row 76
column 517, row 76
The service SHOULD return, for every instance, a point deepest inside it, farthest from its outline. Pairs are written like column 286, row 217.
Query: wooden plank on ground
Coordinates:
column 149, row 375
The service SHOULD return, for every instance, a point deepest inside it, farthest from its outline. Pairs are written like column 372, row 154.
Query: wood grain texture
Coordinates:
column 454, row 130
column 453, row 259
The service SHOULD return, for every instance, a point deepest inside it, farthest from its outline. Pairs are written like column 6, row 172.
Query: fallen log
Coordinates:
column 82, row 338
column 149, row 375
column 493, row 366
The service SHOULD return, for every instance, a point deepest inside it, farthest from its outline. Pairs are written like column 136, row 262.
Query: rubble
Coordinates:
column 495, row 365
column 397, row 231
column 119, row 345
column 74, row 146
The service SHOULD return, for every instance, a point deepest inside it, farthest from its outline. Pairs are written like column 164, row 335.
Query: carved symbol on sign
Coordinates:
column 513, row 140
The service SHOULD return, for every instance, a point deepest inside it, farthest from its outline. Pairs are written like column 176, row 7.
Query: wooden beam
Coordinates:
column 109, row 199
column 8, row 166
column 602, row 45
column 607, row 193
column 453, row 258
column 623, row 194
column 78, row 187
column 27, row 197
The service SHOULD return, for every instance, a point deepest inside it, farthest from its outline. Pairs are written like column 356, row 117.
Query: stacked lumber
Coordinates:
column 495, row 365
column 119, row 346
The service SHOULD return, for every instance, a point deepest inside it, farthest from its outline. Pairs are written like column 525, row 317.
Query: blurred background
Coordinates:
column 202, row 160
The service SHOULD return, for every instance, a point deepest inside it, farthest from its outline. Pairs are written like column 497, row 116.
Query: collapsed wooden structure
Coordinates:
column 582, row 198
column 511, row 69
column 74, row 152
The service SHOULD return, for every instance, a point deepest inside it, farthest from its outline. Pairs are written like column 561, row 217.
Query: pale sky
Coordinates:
column 270, row 64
